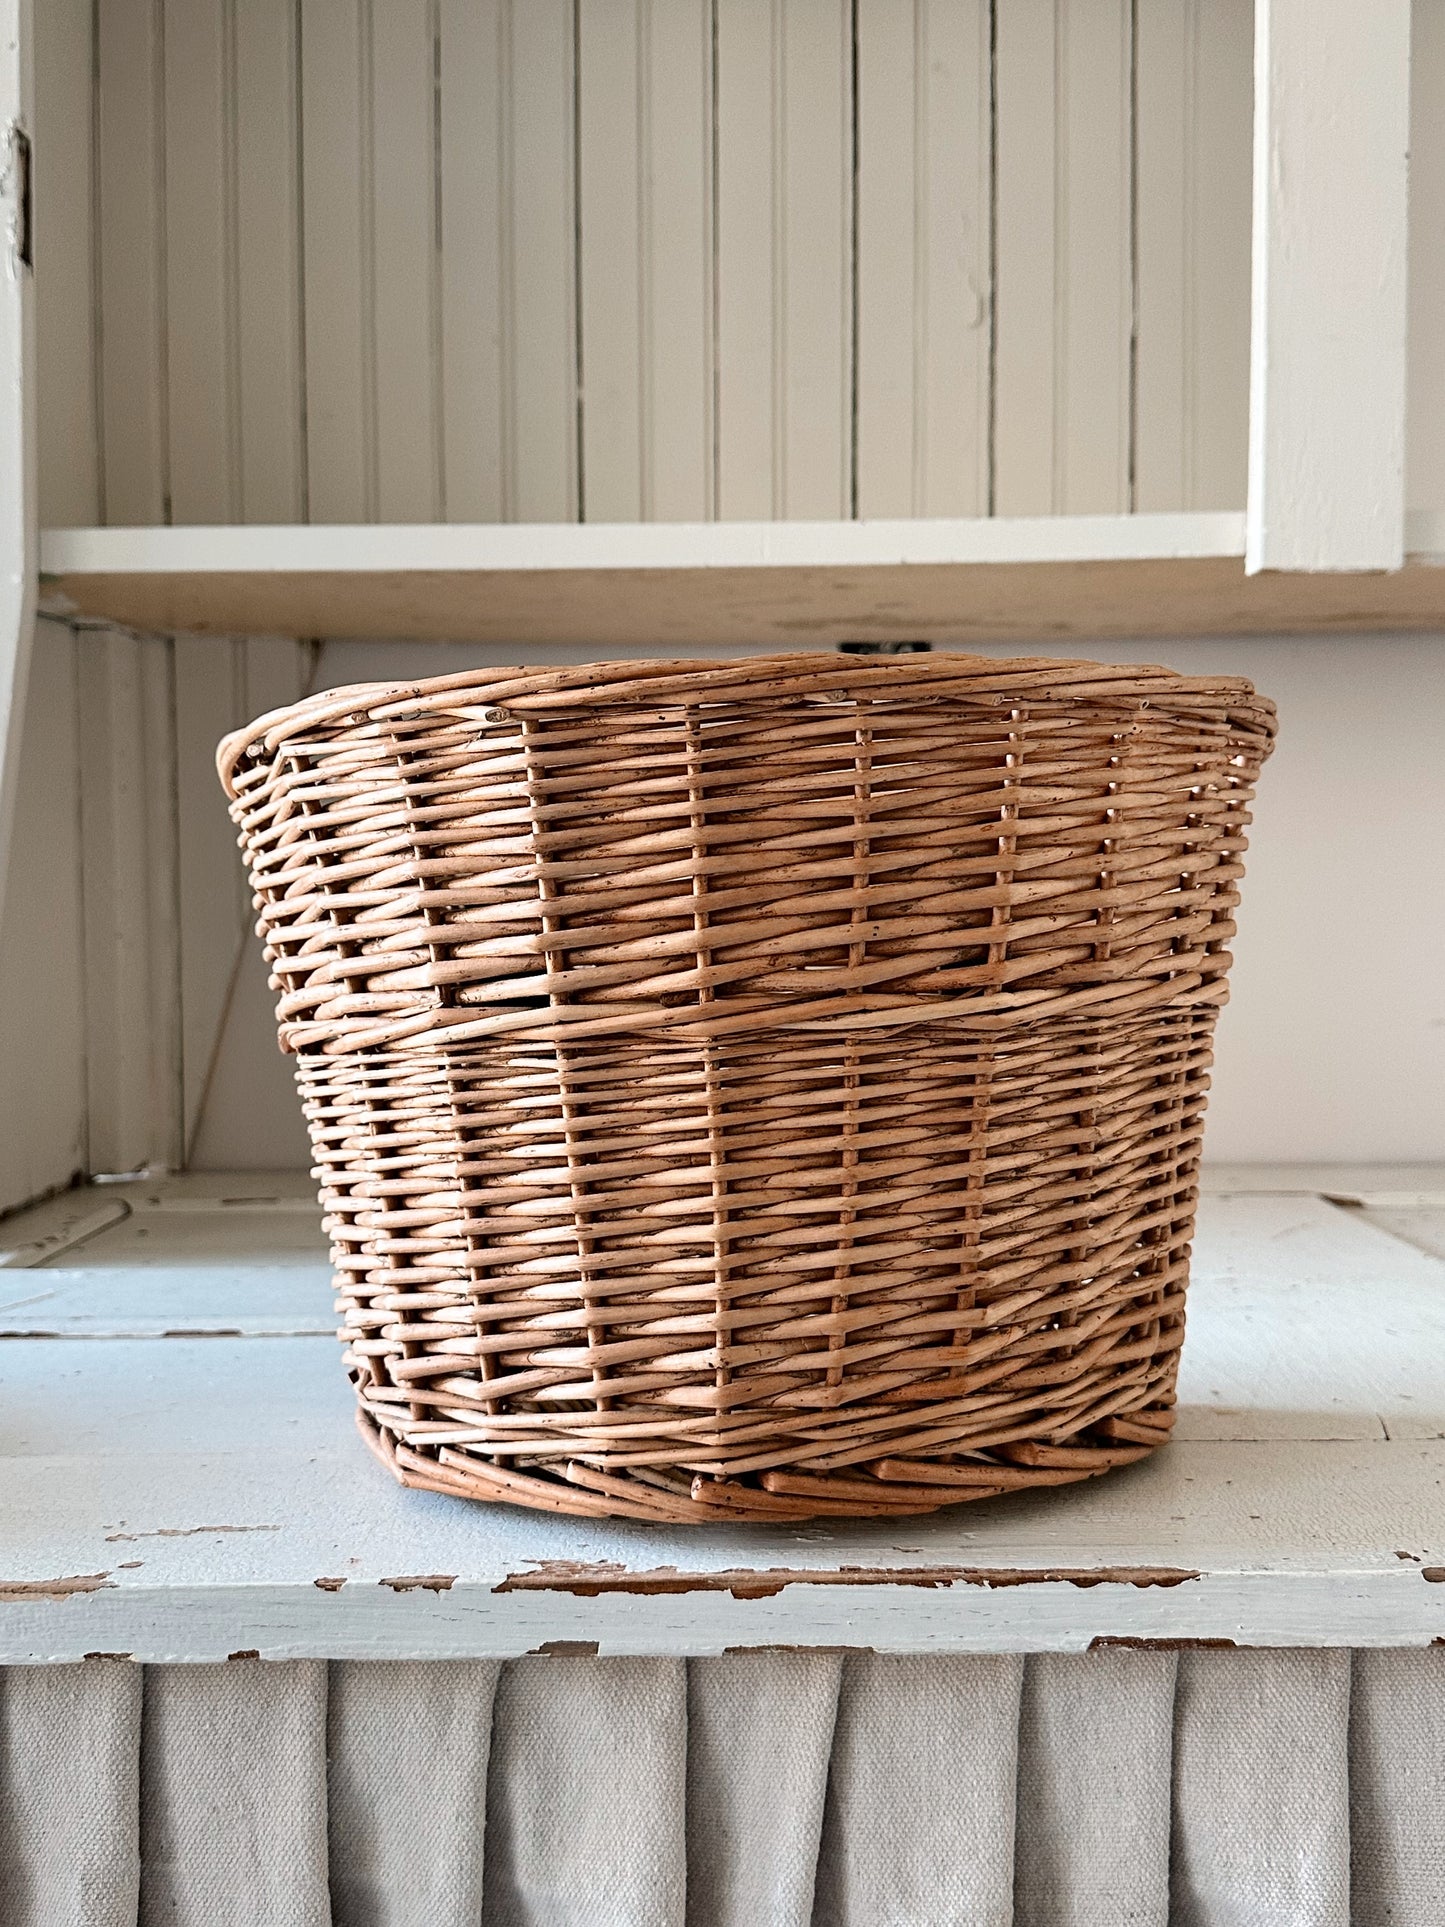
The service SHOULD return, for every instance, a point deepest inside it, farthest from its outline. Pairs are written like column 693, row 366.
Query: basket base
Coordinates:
column 889, row 1489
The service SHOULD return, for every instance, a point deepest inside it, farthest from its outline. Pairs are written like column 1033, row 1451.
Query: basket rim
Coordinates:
column 534, row 689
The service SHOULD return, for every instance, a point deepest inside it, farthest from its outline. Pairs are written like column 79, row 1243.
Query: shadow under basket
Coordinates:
column 760, row 1089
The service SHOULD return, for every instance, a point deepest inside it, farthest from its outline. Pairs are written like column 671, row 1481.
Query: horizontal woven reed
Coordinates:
column 768, row 1088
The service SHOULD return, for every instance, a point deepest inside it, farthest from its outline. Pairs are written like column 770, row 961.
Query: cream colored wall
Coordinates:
column 127, row 1035
column 1333, row 1047
column 1334, row 1044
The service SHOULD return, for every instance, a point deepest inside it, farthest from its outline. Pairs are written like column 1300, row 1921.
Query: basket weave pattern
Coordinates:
column 770, row 1088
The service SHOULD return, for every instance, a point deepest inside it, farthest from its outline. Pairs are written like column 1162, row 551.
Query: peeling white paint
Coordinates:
column 1302, row 1503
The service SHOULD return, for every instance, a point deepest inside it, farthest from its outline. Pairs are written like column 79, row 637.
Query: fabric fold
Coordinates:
column 759, row 1735
column 919, row 1828
column 586, row 1794
column 70, row 1747
column 1261, row 1802
column 233, row 1795
column 1119, row 1788
column 1397, row 1788
column 1095, row 1740
column 407, row 1747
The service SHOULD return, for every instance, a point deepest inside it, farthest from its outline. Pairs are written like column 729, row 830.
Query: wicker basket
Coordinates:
column 755, row 1089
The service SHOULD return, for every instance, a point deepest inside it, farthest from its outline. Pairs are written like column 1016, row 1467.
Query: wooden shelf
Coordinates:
column 795, row 584
column 181, row 1479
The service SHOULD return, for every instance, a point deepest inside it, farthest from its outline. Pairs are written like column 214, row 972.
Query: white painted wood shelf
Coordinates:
column 181, row 1480
column 727, row 584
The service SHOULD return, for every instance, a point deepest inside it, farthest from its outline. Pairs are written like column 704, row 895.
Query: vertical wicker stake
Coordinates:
column 756, row 1089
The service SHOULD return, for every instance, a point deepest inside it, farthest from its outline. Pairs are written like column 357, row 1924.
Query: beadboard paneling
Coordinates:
column 65, row 309
column 784, row 270
column 42, row 1014
column 1062, row 402
column 126, row 723
column 215, row 904
column 541, row 269
column 340, row 395
column 645, row 172
column 923, row 258
column 1194, row 95
column 1329, row 290
column 90, row 941
column 405, row 289
column 126, row 940
column 202, row 399
column 267, row 311
column 1425, row 361
column 508, row 237
column 129, row 241
column 475, row 259
column 542, row 260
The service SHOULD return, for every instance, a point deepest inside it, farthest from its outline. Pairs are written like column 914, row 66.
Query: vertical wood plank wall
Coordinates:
column 135, row 1016
column 1425, row 268
column 1194, row 103
column 128, row 840
column 531, row 260
column 784, row 348
column 924, row 364
column 42, row 994
column 1063, row 243
column 90, row 958
column 645, row 260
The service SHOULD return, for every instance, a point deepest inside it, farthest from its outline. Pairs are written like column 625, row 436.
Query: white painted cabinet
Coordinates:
column 376, row 338
column 704, row 320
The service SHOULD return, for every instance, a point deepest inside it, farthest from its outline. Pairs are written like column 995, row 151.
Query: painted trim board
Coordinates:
column 202, row 1556
column 1329, row 304
column 691, row 585
column 496, row 548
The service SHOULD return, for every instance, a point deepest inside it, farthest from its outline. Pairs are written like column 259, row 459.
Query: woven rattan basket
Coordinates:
column 763, row 1088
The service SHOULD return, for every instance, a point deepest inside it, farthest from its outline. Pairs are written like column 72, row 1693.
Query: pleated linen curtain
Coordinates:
column 773, row 1789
